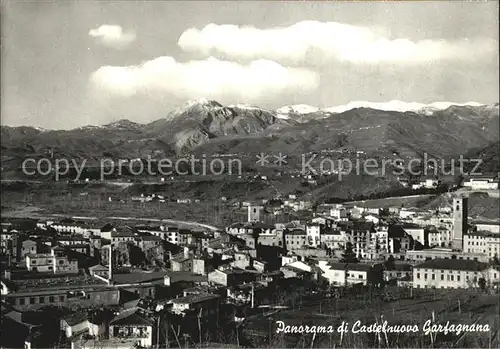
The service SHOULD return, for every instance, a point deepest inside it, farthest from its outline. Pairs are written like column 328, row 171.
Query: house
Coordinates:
column 231, row 277
column 29, row 247
column 260, row 266
column 123, row 235
column 448, row 273
column 350, row 273
column 182, row 261
column 400, row 272
column 295, row 239
column 371, row 217
column 134, row 323
column 492, row 226
column 398, row 239
column 313, row 234
column 146, row 242
column 419, row 234
column 440, row 236
column 206, row 304
column 69, row 225
column 481, row 183
column 299, row 270
column 171, row 278
column 333, row 239
column 289, row 258
column 83, row 322
column 99, row 270
column 71, row 240
column 51, row 263
column 360, row 236
column 482, row 241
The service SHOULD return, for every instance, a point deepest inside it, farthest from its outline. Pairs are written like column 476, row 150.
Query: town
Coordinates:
column 156, row 284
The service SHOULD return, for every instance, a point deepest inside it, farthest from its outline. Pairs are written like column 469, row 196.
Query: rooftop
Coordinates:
column 453, row 264
column 484, row 233
column 132, row 316
column 486, row 222
column 179, row 276
column 98, row 267
column 350, row 266
column 139, row 277
column 195, row 298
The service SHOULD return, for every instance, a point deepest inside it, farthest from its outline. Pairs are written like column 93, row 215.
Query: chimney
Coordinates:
column 186, row 252
column 110, row 259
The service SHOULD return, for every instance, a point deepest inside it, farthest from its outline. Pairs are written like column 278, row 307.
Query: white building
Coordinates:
column 447, row 273
column 484, row 242
column 481, row 183
column 50, row 263
column 313, row 232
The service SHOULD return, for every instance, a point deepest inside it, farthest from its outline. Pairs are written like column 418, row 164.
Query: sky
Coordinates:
column 66, row 64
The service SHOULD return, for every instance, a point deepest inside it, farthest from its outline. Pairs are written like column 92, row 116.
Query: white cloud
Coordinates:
column 211, row 78
column 328, row 40
column 113, row 36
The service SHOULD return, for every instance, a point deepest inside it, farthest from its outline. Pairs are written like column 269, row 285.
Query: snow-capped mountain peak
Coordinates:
column 297, row 109
column 398, row 106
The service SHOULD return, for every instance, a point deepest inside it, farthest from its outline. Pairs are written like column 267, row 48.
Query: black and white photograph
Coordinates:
column 249, row 174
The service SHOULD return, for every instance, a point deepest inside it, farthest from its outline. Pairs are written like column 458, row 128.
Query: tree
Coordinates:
column 390, row 263
column 482, row 283
column 348, row 256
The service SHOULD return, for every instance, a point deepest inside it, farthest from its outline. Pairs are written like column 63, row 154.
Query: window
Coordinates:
column 61, row 298
column 41, row 300
column 51, row 299
column 452, row 278
column 458, row 278
column 21, row 301
column 442, row 277
column 61, row 262
column 32, row 300
column 433, row 277
column 418, row 275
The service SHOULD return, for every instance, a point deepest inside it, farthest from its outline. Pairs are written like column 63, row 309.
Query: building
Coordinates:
column 400, row 272
column 182, row 262
column 51, row 263
column 99, row 270
column 333, row 239
column 440, row 237
column 295, row 239
column 255, row 213
column 490, row 226
column 447, row 273
column 443, row 253
column 134, row 324
column 29, row 247
column 484, row 242
column 360, row 236
column 313, row 233
column 460, row 213
column 81, row 322
column 481, row 183
column 419, row 234
column 231, row 277
column 205, row 303
column 341, row 274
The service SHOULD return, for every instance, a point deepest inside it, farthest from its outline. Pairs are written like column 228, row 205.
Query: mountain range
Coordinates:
column 205, row 126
